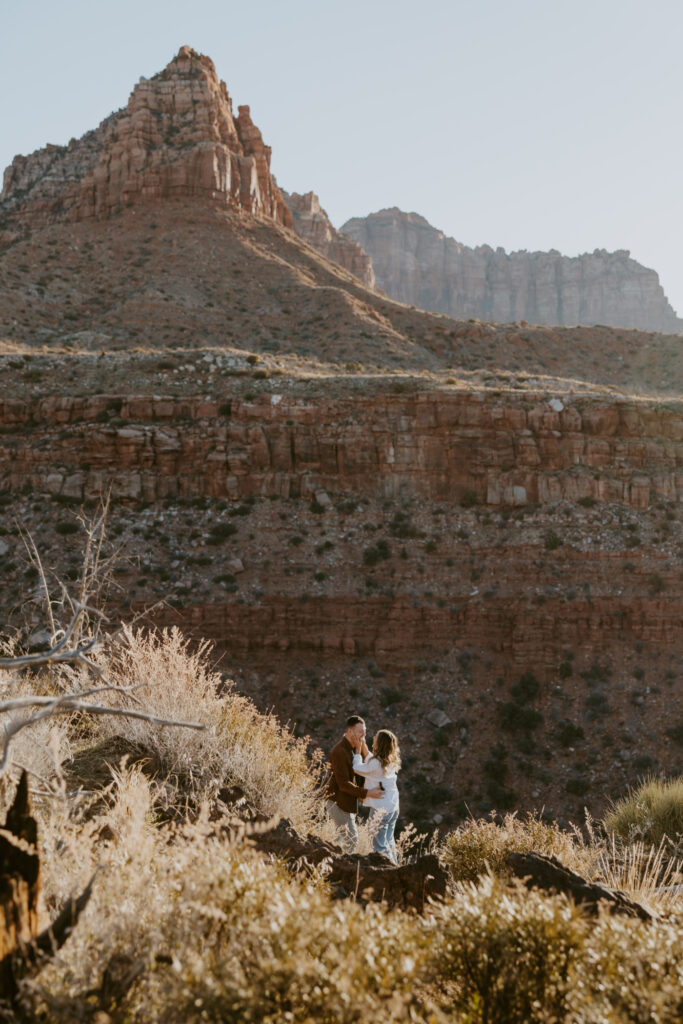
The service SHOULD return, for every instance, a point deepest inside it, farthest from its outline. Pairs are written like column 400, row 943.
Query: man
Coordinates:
column 343, row 793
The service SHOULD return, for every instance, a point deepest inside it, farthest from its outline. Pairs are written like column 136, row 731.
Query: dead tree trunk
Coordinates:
column 22, row 948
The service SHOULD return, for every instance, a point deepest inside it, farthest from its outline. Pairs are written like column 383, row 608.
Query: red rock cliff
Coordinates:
column 176, row 137
column 444, row 446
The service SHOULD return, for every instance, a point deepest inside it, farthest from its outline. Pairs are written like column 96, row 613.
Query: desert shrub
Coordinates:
column 508, row 953
column 518, row 718
column 553, row 540
column 469, row 499
column 481, row 844
column 629, row 972
column 239, row 746
column 213, row 931
column 401, row 526
column 526, row 689
column 646, row 873
column 597, row 673
column 220, row 532
column 577, row 786
column 676, row 733
column 566, row 669
column 378, row 552
column 651, row 811
column 597, row 704
column 66, row 527
column 568, row 734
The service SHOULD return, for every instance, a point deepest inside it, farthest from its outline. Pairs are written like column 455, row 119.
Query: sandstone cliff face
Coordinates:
column 312, row 224
column 417, row 264
column 437, row 445
column 176, row 137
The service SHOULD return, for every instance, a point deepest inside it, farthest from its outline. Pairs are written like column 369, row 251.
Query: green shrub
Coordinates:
column 566, row 669
column 577, row 786
column 220, row 532
column 469, row 499
column 401, row 527
column 378, row 552
column 553, row 541
column 676, row 734
column 65, row 528
column 526, row 689
column 651, row 811
column 568, row 734
column 517, row 718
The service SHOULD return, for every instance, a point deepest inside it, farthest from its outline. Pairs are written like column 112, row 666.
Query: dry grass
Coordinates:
column 188, row 924
column 481, row 845
column 238, row 747
column 646, row 873
column 651, row 812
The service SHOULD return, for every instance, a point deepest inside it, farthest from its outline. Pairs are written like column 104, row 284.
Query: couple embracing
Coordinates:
column 369, row 776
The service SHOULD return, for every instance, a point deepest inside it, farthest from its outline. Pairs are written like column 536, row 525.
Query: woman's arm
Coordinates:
column 371, row 767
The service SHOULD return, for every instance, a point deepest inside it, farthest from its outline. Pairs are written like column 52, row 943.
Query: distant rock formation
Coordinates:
column 176, row 137
column 417, row 264
column 314, row 226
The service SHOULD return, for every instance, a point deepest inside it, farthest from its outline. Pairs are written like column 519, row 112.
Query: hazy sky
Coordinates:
column 529, row 124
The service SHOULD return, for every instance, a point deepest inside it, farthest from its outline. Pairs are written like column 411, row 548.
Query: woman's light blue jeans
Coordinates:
column 384, row 836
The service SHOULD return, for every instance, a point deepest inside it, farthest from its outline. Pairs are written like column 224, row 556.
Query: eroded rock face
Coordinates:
column 416, row 263
column 445, row 446
column 314, row 226
column 177, row 136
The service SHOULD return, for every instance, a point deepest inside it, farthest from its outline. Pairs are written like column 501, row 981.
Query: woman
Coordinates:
column 380, row 770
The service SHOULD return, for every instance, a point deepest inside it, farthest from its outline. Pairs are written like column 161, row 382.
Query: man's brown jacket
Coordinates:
column 342, row 787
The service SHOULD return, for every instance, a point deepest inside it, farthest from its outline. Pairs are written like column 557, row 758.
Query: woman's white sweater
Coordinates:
column 373, row 773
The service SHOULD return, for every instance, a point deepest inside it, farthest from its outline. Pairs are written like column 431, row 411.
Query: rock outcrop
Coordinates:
column 443, row 446
column 416, row 263
column 312, row 224
column 177, row 137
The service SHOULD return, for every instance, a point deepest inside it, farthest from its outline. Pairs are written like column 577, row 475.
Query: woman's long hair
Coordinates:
column 385, row 749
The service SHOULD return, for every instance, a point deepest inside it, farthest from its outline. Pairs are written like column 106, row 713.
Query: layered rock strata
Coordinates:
column 177, row 137
column 417, row 264
column 441, row 445
column 312, row 224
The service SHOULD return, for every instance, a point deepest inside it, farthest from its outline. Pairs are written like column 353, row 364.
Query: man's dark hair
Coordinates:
column 354, row 720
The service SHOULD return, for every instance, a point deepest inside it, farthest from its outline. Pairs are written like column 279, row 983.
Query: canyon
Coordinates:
column 417, row 264
column 468, row 530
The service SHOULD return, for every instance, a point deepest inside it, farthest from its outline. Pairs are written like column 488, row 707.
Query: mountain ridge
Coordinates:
column 419, row 264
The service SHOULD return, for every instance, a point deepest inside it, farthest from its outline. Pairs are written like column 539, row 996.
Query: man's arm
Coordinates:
column 344, row 776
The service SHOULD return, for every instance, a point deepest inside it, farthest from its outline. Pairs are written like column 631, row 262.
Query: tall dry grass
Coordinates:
column 239, row 746
column 188, row 924
column 651, row 812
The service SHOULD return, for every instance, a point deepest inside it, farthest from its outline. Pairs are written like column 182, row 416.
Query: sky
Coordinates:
column 526, row 124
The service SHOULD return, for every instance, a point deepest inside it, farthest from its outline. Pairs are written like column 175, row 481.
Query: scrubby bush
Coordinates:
column 239, row 746
column 508, row 954
column 378, row 552
column 481, row 844
column 518, row 718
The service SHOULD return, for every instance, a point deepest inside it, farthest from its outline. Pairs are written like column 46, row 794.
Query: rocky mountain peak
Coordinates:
column 176, row 137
